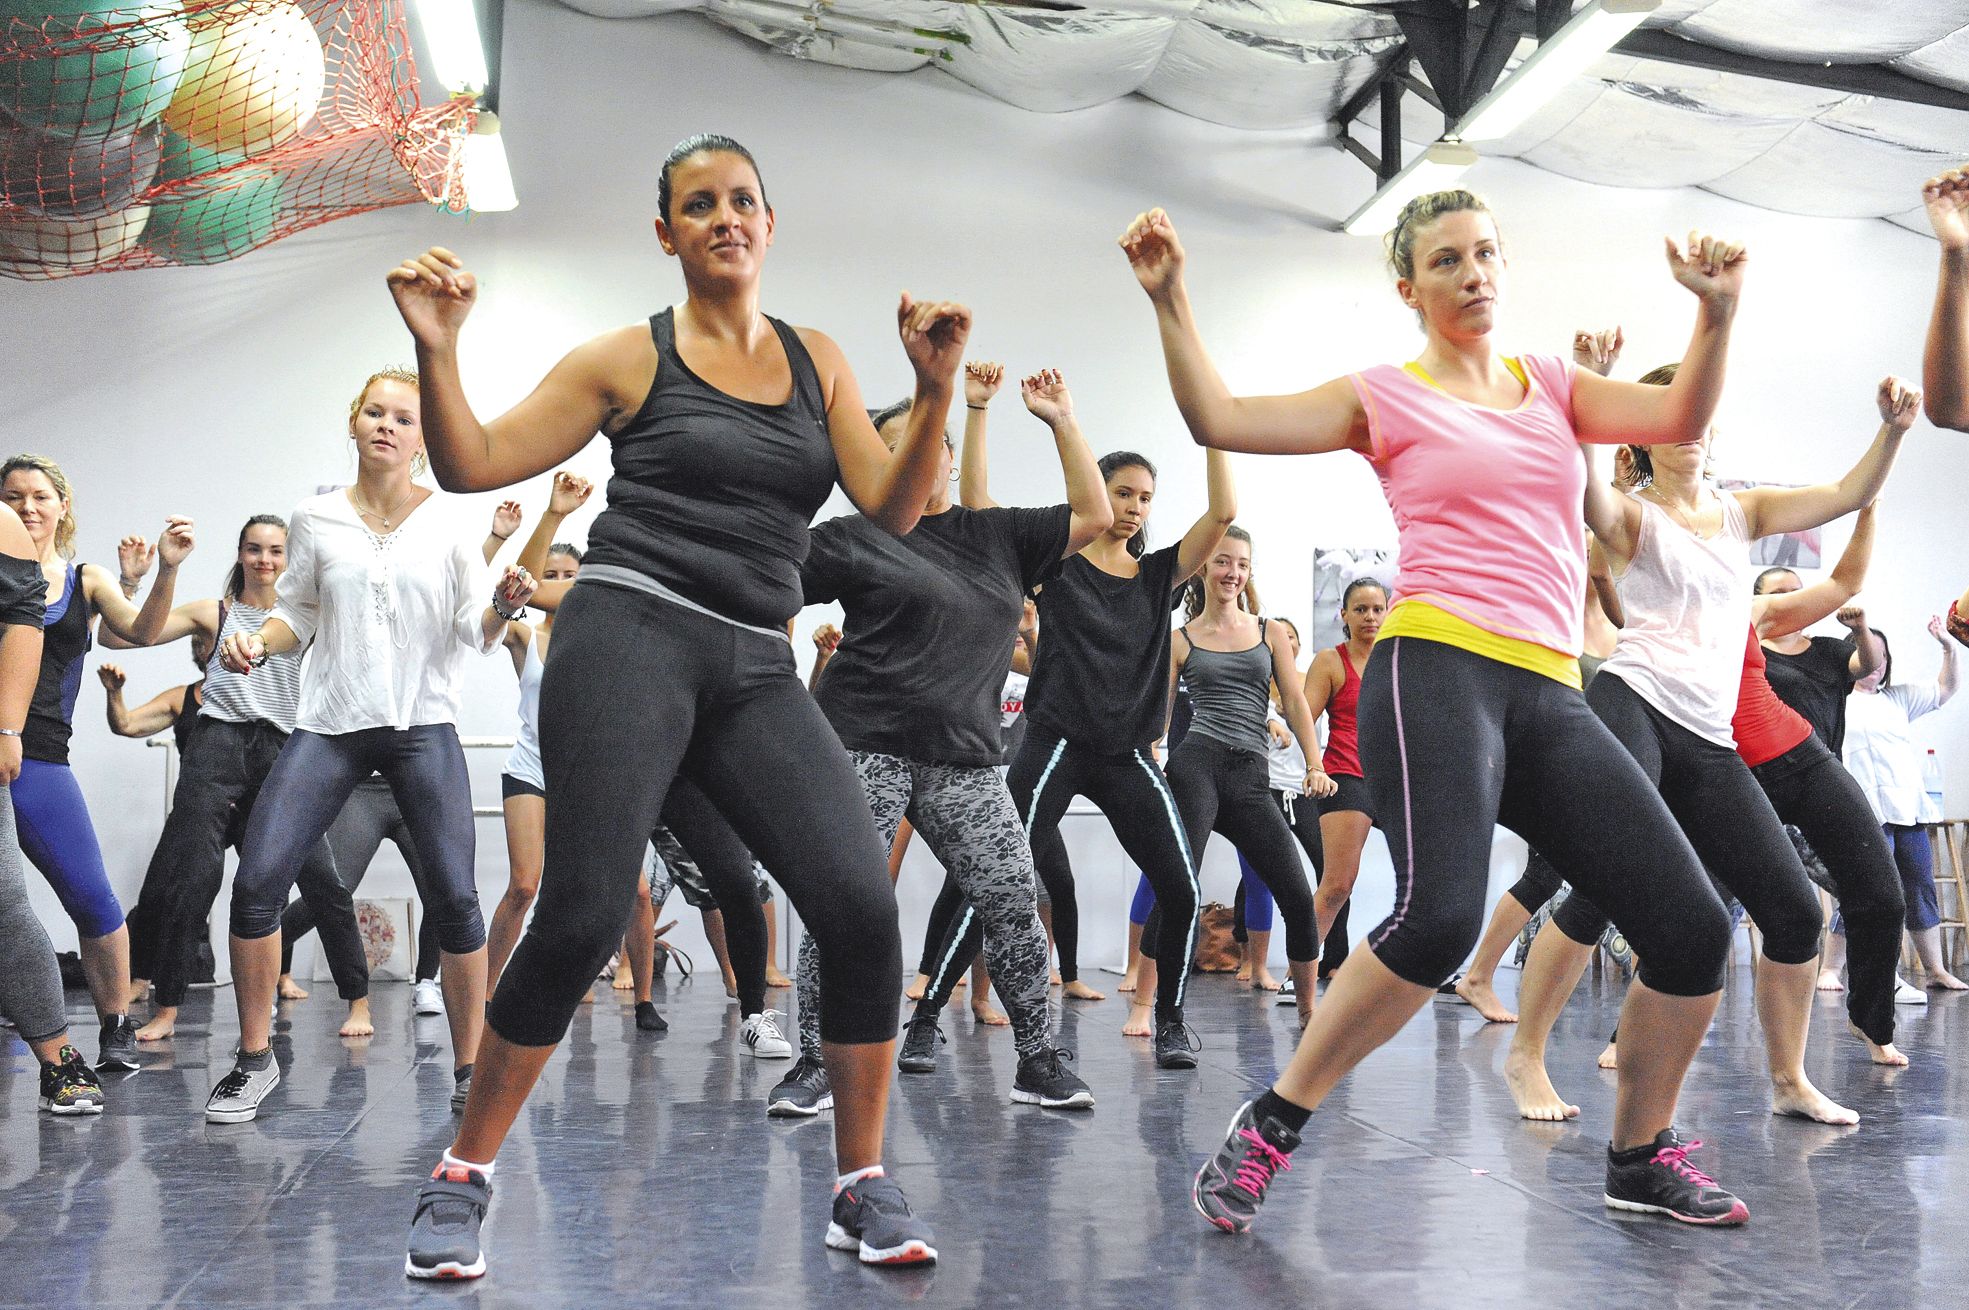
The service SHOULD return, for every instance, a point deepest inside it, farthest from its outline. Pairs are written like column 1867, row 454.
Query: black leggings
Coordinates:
column 1540, row 883
column 1221, row 788
column 1048, row 773
column 636, row 691
column 1453, row 743
column 726, row 866
column 370, row 817
column 1726, row 817
column 1812, row 790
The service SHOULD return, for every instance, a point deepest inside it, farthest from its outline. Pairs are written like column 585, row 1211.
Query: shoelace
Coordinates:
column 233, row 1084
column 1260, row 1161
column 766, row 1024
column 1676, row 1159
column 809, row 1074
column 1049, row 1062
column 1182, row 1033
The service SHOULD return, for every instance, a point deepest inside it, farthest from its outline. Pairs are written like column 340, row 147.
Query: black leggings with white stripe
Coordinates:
column 1048, row 772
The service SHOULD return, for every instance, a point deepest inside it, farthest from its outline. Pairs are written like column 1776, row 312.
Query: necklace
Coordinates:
column 1663, row 501
column 384, row 519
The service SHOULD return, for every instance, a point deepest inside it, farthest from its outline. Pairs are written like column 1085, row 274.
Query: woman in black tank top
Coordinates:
column 729, row 429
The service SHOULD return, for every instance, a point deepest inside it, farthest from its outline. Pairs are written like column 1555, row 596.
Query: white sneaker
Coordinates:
column 761, row 1034
column 1906, row 993
column 237, row 1097
column 428, row 997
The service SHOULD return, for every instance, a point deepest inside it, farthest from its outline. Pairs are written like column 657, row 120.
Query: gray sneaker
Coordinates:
column 237, row 1097
column 461, row 1087
column 803, row 1093
column 873, row 1219
column 444, row 1232
column 117, row 1047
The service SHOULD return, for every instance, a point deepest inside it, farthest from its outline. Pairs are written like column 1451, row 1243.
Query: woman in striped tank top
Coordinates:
column 1470, row 713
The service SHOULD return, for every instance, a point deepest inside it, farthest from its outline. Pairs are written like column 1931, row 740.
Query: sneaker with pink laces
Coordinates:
column 1658, row 1179
column 1232, row 1183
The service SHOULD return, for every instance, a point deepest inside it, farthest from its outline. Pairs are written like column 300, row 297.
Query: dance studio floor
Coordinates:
column 643, row 1173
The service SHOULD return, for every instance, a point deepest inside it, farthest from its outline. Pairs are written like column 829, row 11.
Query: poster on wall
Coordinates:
column 1788, row 550
column 1334, row 569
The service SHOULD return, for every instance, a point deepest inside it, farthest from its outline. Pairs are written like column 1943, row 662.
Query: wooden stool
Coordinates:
column 1950, row 838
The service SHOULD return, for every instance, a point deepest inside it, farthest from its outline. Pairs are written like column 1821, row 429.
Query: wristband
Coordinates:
column 507, row 537
column 969, row 405
column 9, row 732
column 506, row 615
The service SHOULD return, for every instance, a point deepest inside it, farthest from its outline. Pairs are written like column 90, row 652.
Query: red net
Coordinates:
column 135, row 135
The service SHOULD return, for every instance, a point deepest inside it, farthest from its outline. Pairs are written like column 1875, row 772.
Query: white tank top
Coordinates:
column 1687, row 603
column 524, row 761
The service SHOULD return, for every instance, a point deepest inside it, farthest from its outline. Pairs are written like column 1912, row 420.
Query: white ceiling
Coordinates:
column 1290, row 64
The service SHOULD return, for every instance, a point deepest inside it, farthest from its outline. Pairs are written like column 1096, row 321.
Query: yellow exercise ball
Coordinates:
column 253, row 82
column 58, row 247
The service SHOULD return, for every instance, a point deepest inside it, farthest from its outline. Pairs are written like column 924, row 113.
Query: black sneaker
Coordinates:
column 1232, row 1183
column 444, row 1231
column 1042, row 1080
column 1175, row 1045
column 1658, row 1179
column 461, row 1088
column 117, row 1048
column 70, row 1086
column 873, row 1218
column 919, row 1045
column 803, row 1093
column 648, row 1020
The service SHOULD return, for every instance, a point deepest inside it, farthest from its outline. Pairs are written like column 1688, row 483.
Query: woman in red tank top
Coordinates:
column 1333, row 683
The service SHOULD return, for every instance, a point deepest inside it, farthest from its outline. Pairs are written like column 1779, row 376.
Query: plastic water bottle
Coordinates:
column 1931, row 784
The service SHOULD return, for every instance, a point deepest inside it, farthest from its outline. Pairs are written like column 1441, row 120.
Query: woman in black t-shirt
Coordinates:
column 1097, row 702
column 914, row 691
column 1814, row 675
column 729, row 429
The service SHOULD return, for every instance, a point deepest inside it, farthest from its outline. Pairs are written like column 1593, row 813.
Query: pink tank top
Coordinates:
column 1488, row 503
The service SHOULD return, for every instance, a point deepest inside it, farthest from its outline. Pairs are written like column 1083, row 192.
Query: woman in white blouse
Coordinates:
column 1881, row 754
column 391, row 599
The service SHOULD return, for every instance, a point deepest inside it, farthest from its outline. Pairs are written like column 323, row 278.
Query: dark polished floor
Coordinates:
column 644, row 1173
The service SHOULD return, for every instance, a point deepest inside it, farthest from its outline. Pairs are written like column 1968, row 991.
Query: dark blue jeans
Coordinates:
column 313, row 780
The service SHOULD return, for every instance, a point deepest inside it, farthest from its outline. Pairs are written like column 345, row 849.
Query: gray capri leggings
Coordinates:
column 967, row 818
column 30, row 984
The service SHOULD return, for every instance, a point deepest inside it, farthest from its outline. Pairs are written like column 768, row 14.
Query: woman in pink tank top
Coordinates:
column 1469, row 712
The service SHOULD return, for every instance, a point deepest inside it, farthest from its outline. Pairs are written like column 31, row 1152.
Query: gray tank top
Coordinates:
column 1230, row 692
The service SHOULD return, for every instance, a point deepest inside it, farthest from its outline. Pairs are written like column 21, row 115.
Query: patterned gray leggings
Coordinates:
column 971, row 825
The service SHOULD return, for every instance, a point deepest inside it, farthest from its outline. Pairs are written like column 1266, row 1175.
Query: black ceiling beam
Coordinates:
column 1853, row 79
column 492, row 31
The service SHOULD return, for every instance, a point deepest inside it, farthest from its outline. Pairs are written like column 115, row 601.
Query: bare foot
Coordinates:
column 1801, row 1100
column 1829, row 981
column 1127, row 982
column 1080, row 991
column 588, row 997
column 139, row 988
column 358, row 1023
column 1888, row 1055
column 917, row 986
column 989, row 1015
column 1052, row 979
column 1532, row 1089
column 776, row 980
column 289, row 990
column 625, row 979
column 1244, row 973
column 1943, row 980
column 1141, row 1022
column 1482, row 997
column 161, row 1025
column 1265, row 982
column 1610, row 1058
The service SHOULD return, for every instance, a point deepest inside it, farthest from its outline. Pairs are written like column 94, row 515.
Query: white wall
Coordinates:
column 221, row 392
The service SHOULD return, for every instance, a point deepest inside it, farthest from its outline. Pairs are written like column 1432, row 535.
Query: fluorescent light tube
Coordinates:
column 1435, row 169
column 451, row 30
column 1570, row 51
column 488, row 178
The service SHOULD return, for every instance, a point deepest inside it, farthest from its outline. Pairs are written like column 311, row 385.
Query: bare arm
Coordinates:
column 1615, row 518
column 1945, row 362
column 506, row 521
column 892, row 486
column 1327, row 418
column 20, row 655
column 1869, row 652
column 1291, row 690
column 1782, row 614
column 1046, row 395
column 1206, row 532
column 1178, row 653
column 827, row 639
column 149, row 718
column 981, row 383
column 1772, row 510
column 1945, row 683
column 1600, row 575
column 142, row 627
column 1609, row 412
